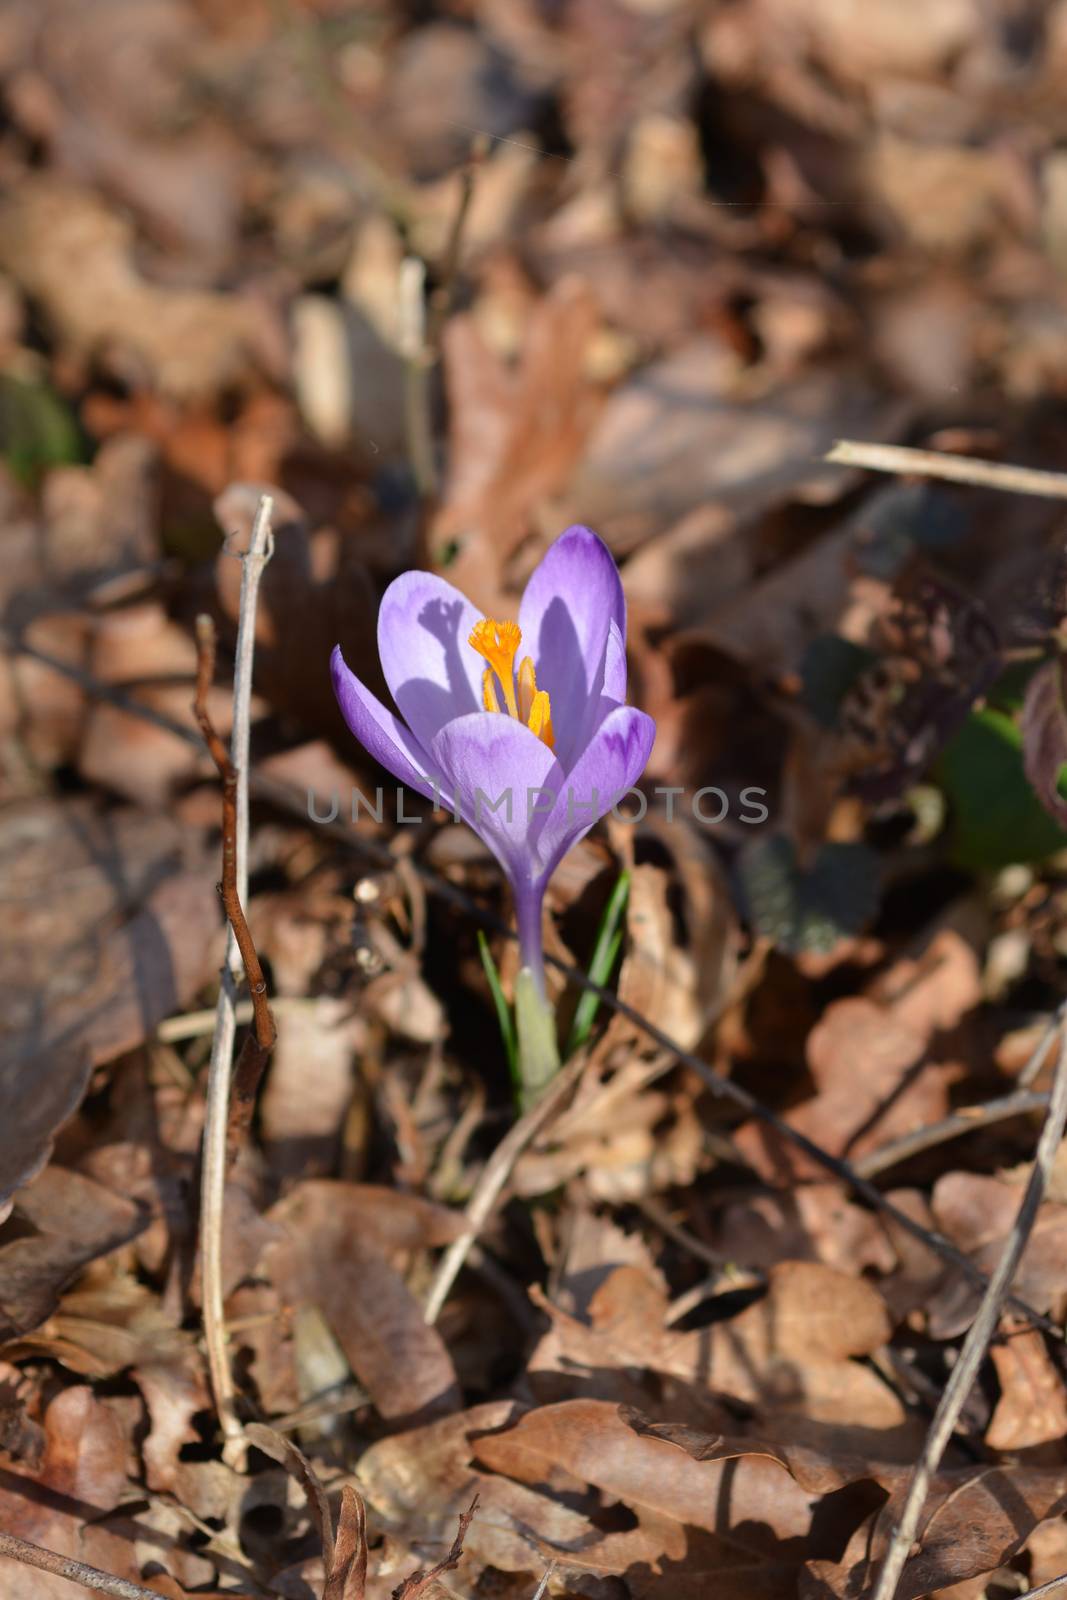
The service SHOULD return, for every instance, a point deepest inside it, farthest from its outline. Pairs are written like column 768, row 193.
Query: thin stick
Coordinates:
column 543, row 1585
column 34, row 1555
column 960, row 1122
column 956, row 469
column 296, row 802
column 977, row 1341
column 417, row 356
column 259, row 1043
column 491, row 1181
column 195, row 1024
column 235, row 879
column 1040, row 1050
column 1044, row 1588
column 443, row 299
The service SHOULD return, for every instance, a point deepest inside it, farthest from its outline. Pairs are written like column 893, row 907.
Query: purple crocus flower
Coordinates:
column 520, row 729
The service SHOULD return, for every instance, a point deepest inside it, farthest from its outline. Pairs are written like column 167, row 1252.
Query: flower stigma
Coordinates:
column 498, row 643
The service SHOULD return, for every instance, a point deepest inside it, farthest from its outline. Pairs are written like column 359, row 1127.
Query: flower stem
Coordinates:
column 528, row 903
column 535, row 1023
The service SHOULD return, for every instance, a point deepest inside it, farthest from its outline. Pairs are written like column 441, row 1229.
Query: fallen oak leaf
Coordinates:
column 187, row 342
column 61, row 1222
column 1031, row 1413
column 818, row 1473
column 109, row 920
column 81, row 1479
column 419, row 1482
column 790, row 1355
column 975, row 1521
column 330, row 1256
column 749, row 1511
column 515, row 433
column 868, row 1055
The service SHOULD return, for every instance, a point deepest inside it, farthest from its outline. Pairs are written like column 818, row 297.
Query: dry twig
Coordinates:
column 977, row 1341
column 419, row 1582
column 966, row 1120
column 418, row 360
column 899, row 458
column 1044, row 1588
column 543, row 1585
column 258, row 1044
column 493, row 1177
column 34, row 1555
column 217, row 1134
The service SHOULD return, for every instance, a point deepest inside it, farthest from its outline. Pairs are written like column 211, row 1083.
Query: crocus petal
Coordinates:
column 572, row 598
column 612, row 691
column 487, row 761
column 381, row 733
column 432, row 672
column 614, row 686
column 611, row 763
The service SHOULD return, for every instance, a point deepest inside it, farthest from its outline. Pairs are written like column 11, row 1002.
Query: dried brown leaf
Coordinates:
column 790, row 1356
column 1031, row 1413
column 188, row 342
column 316, row 592
column 869, row 1059
column 347, row 1575
column 515, row 434
column 749, row 1507
column 81, row 1479
column 677, row 434
column 60, row 1223
column 331, row 1257
column 109, row 923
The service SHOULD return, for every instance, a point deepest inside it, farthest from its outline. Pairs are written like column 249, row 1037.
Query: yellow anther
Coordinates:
column 489, row 699
column 497, row 643
column 540, row 719
column 527, row 689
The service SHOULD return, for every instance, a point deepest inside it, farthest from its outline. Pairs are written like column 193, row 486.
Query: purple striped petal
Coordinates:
column 496, row 769
column 432, row 672
column 611, row 763
column 572, row 598
column 380, row 733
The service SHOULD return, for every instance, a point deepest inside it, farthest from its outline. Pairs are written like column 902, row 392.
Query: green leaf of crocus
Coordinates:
column 605, row 954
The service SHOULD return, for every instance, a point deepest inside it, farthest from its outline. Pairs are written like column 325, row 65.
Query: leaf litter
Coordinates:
column 669, row 255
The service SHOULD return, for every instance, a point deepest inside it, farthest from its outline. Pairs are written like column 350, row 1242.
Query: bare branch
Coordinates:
column 260, row 1042
column 34, row 1555
column 966, row 1120
column 1044, row 1588
column 956, row 469
column 977, row 1341
column 217, row 1137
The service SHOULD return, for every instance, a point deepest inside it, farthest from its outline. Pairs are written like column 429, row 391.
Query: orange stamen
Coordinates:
column 540, row 719
column 527, row 690
column 489, row 699
column 498, row 643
